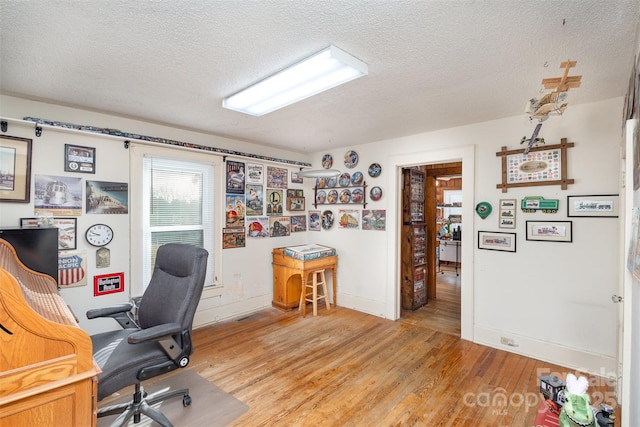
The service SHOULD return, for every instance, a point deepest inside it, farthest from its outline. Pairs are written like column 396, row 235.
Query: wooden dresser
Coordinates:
column 47, row 373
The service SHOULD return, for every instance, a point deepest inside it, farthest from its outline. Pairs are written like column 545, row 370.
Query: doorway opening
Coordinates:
column 443, row 195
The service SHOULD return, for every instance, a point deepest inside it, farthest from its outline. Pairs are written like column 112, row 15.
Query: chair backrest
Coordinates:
column 175, row 288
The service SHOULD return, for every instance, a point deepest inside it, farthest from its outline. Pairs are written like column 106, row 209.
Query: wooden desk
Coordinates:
column 290, row 274
column 47, row 371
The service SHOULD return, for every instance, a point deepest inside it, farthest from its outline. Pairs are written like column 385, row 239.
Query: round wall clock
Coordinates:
column 99, row 235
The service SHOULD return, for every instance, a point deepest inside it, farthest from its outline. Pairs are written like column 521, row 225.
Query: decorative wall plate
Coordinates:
column 321, row 196
column 483, row 209
column 332, row 197
column 327, row 161
column 344, row 179
column 375, row 170
column 351, row 159
column 331, row 182
column 375, row 193
column 357, row 195
column 356, row 178
column 327, row 219
column 345, row 196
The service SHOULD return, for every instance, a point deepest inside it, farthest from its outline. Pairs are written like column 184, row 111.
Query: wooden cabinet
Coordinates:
column 413, row 241
column 414, row 266
column 290, row 274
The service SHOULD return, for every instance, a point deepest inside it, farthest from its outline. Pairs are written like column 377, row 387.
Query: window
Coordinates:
column 175, row 202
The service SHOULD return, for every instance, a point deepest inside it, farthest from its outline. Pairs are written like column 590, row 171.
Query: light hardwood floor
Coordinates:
column 346, row 368
column 442, row 313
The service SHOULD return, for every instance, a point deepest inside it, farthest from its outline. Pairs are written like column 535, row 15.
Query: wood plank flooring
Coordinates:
column 443, row 312
column 346, row 368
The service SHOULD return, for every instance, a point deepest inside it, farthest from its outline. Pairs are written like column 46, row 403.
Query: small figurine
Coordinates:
column 576, row 411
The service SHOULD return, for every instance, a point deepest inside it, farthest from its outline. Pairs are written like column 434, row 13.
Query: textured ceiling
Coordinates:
column 432, row 64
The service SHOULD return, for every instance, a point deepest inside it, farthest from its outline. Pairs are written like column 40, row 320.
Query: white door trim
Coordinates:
column 465, row 154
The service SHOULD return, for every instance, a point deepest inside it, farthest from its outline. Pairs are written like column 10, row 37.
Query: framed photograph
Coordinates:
column 507, row 218
column 497, row 241
column 15, row 167
column 66, row 230
column 79, row 159
column 550, row 231
column 295, row 203
column 604, row 206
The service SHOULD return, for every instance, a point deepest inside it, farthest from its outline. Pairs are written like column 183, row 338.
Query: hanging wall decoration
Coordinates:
column 483, row 209
column 541, row 166
column 235, row 177
column 507, row 213
column 15, row 162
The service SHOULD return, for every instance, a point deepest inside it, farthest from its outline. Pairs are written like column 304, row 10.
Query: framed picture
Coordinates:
column 79, row 159
column 550, row 231
column 604, row 206
column 497, row 241
column 15, row 167
column 295, row 203
column 66, row 230
column 540, row 166
column 507, row 217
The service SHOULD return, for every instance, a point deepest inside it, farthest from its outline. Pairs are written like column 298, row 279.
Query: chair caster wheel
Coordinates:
column 186, row 400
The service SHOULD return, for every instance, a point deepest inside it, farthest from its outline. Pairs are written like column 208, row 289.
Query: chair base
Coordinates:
column 142, row 404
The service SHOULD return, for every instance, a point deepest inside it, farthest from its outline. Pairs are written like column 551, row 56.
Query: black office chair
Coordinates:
column 156, row 338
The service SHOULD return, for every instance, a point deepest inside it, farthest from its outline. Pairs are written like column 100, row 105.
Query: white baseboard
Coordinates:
column 364, row 305
column 572, row 358
column 213, row 314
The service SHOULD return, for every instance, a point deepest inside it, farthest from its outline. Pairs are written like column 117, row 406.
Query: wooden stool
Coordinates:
column 311, row 295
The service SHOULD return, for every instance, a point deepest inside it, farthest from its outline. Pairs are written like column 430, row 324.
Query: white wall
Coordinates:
column 551, row 298
column 631, row 289
column 246, row 273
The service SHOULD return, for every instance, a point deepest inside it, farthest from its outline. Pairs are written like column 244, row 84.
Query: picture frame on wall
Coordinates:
column 507, row 218
column 15, row 164
column 79, row 159
column 550, row 231
column 539, row 166
column 67, row 230
column 295, row 203
column 603, row 206
column 497, row 241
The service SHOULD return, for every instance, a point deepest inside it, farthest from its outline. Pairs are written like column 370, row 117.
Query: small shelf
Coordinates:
column 363, row 187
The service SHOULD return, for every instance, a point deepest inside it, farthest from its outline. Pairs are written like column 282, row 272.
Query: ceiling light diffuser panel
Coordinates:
column 324, row 70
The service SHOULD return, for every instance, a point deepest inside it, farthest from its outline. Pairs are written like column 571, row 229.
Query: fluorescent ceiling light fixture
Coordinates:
column 326, row 69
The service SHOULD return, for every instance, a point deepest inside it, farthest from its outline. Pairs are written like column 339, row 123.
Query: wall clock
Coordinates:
column 99, row 235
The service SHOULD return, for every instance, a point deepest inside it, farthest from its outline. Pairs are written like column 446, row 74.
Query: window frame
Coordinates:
column 136, row 215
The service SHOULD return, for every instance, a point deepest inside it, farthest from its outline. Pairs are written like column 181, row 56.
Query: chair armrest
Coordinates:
column 155, row 332
column 110, row 311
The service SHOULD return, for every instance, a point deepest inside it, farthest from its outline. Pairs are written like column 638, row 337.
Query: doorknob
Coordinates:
column 616, row 299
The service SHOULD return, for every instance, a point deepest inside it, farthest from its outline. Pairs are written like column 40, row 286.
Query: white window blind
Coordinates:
column 178, row 207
